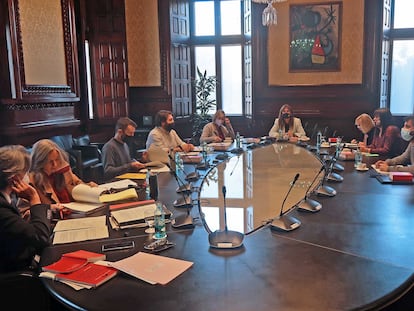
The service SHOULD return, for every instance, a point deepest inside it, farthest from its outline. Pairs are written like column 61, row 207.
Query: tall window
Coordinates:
column 218, row 43
column 401, row 36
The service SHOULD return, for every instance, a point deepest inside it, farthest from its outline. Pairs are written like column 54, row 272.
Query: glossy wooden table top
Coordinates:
column 257, row 182
column 355, row 253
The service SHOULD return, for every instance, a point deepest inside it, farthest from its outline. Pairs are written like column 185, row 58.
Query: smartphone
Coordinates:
column 118, row 246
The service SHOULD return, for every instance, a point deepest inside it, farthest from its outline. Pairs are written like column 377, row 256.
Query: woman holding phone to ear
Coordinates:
column 50, row 173
column 20, row 240
column 287, row 125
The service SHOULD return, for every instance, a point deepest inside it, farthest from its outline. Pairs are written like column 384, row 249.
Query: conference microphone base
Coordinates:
column 186, row 202
column 193, row 176
column 225, row 239
column 186, row 188
column 203, row 166
column 183, row 221
column 285, row 223
column 338, row 167
column 325, row 191
column 334, row 177
column 309, row 205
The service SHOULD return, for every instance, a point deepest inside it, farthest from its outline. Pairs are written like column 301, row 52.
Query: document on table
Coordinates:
column 80, row 229
column 86, row 193
column 152, row 268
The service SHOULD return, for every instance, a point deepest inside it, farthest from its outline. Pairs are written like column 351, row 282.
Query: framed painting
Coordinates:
column 315, row 37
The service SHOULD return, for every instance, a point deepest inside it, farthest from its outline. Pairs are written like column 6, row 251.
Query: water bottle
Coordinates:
column 318, row 141
column 280, row 134
column 147, row 184
column 159, row 222
column 204, row 151
column 179, row 163
column 238, row 145
column 358, row 158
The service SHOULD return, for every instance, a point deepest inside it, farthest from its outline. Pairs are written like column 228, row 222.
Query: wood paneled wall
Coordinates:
column 29, row 113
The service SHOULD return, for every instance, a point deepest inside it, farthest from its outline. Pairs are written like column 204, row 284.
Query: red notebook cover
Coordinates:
column 73, row 261
column 130, row 204
column 83, row 254
column 66, row 265
column 401, row 176
column 91, row 275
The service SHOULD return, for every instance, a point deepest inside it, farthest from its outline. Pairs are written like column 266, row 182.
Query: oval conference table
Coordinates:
column 355, row 253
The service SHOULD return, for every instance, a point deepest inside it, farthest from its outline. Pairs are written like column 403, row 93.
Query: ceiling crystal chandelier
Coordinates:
column 269, row 15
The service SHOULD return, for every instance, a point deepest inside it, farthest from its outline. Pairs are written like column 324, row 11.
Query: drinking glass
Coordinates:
column 149, row 220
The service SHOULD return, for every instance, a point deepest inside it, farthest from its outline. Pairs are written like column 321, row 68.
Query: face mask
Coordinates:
column 169, row 127
column 128, row 139
column 219, row 122
column 285, row 115
column 406, row 134
column 26, row 178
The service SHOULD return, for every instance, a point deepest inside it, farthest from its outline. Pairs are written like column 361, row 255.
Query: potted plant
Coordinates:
column 204, row 85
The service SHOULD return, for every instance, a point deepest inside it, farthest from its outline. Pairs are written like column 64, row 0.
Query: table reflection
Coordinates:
column 257, row 182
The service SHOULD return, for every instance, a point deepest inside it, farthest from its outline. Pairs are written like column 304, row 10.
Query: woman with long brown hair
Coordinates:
column 287, row 125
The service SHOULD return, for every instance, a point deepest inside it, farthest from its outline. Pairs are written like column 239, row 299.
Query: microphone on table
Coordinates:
column 193, row 176
column 324, row 190
column 285, row 222
column 308, row 204
column 225, row 238
column 182, row 220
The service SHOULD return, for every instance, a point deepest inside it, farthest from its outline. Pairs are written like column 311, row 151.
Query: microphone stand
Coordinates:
column 308, row 204
column 184, row 220
column 227, row 238
column 285, row 222
column 332, row 176
column 324, row 190
column 193, row 176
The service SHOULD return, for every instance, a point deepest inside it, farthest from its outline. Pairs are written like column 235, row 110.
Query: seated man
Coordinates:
column 115, row 153
column 405, row 161
column 164, row 136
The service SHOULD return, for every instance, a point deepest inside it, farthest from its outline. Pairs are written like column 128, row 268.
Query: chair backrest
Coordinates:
column 83, row 140
column 63, row 141
column 33, row 295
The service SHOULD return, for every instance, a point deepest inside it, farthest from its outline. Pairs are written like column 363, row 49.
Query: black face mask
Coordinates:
column 169, row 127
column 127, row 139
column 286, row 115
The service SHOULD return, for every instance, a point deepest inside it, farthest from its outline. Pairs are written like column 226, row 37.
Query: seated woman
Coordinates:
column 387, row 140
column 287, row 126
column 51, row 174
column 405, row 161
column 20, row 240
column 366, row 125
column 218, row 130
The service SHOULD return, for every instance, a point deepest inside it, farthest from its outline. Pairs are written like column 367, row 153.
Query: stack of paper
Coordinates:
column 99, row 194
column 80, row 229
column 80, row 269
column 153, row 269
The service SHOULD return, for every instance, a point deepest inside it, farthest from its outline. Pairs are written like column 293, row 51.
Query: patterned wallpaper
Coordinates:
column 143, row 42
column 351, row 49
column 42, row 41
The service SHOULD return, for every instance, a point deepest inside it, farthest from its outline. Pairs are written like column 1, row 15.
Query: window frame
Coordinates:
column 217, row 40
column 392, row 34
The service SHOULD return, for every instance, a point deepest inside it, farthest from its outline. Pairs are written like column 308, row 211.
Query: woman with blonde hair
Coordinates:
column 218, row 129
column 366, row 125
column 50, row 173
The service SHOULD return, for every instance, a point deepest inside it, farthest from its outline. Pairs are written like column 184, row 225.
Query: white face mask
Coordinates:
column 26, row 178
column 219, row 122
column 405, row 134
